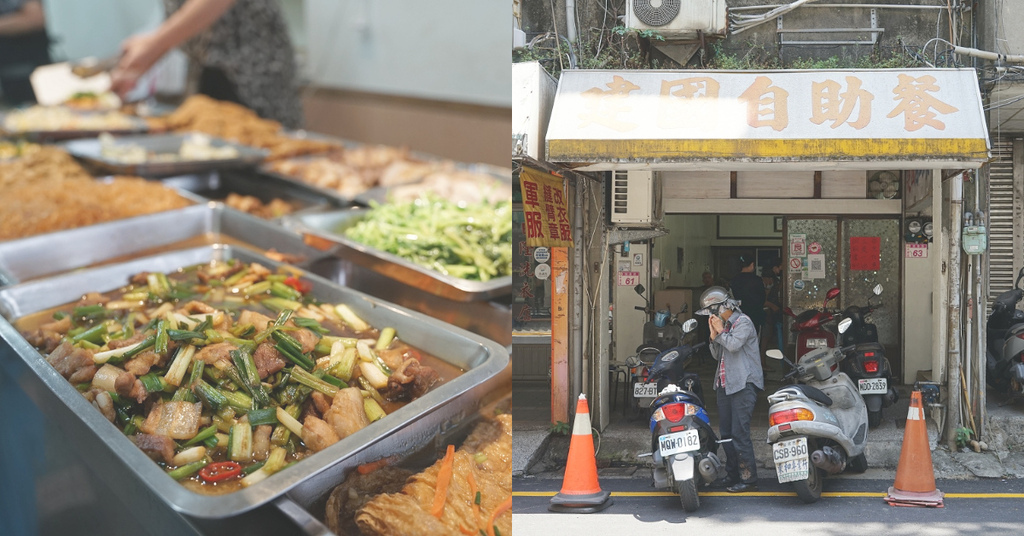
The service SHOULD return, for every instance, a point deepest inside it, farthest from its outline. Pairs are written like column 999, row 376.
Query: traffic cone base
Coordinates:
column 915, row 476
column 581, row 504
column 581, row 493
column 910, row 498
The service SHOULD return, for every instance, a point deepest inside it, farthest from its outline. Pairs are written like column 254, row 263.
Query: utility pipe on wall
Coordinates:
column 953, row 417
column 570, row 20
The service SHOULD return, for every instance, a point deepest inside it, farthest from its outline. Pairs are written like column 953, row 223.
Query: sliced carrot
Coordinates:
column 497, row 513
column 370, row 467
column 476, row 505
column 444, row 476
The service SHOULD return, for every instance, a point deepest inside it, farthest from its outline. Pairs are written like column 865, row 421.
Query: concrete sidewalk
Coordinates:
column 538, row 452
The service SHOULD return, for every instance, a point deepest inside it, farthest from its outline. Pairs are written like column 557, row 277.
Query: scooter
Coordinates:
column 866, row 364
column 684, row 446
column 1005, row 330
column 661, row 332
column 818, row 426
column 810, row 326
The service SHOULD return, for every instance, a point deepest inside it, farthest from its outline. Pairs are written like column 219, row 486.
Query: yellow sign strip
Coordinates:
column 796, row 149
column 870, row 494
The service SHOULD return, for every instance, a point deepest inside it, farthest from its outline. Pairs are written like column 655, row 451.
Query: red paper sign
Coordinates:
column 865, row 252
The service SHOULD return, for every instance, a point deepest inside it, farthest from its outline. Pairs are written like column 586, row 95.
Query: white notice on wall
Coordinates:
column 816, row 266
column 797, row 245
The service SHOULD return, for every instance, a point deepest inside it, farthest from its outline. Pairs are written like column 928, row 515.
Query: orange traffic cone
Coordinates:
column 581, row 493
column 915, row 476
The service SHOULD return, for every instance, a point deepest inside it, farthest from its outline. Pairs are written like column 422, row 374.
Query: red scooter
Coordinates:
column 810, row 326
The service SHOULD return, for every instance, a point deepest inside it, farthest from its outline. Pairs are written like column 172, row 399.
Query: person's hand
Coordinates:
column 138, row 54
column 715, row 325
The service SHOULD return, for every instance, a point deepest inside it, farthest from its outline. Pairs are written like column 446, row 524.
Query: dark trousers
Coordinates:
column 734, row 414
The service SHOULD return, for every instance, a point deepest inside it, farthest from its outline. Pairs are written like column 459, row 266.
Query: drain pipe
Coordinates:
column 570, row 20
column 953, row 365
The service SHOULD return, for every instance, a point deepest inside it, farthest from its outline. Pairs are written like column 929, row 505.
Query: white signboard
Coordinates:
column 916, row 251
column 542, row 271
column 815, row 267
column 820, row 114
column 541, row 254
column 629, row 279
column 797, row 245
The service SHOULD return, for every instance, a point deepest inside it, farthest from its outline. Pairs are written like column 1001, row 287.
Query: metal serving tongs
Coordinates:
column 92, row 66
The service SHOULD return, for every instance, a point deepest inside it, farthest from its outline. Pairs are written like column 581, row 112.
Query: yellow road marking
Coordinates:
column 776, row 494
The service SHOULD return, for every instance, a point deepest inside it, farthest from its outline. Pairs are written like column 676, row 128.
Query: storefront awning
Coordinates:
column 825, row 119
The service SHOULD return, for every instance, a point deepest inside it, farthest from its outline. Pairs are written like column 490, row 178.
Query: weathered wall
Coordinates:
column 903, row 22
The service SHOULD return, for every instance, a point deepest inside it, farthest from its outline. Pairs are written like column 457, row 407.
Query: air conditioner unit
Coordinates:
column 635, row 199
column 678, row 19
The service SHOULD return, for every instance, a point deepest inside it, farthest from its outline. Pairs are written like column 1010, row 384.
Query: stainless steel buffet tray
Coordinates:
column 381, row 194
column 91, row 151
column 137, row 126
column 217, row 185
column 53, row 253
column 326, row 229
column 116, row 457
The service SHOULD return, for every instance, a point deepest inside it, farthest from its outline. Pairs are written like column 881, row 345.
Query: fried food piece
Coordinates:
column 486, row 455
column 356, row 491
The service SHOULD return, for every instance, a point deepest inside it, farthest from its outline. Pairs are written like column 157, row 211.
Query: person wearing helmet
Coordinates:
column 739, row 377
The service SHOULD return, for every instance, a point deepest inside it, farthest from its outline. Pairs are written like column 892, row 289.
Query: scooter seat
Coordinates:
column 814, row 394
column 869, row 347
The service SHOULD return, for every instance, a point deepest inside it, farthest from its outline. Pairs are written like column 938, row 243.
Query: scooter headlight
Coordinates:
column 790, row 415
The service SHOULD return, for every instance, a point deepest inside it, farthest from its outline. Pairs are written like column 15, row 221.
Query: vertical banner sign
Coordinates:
column 559, row 335
column 545, row 208
column 865, row 252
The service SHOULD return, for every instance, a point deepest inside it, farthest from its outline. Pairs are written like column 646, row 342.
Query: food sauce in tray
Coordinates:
column 226, row 372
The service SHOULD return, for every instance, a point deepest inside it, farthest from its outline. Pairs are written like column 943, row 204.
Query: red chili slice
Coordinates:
column 215, row 472
column 298, row 284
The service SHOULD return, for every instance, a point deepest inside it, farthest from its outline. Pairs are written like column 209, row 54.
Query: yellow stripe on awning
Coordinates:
column 667, row 150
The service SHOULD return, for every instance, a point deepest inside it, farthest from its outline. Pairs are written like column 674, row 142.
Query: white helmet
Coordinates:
column 713, row 299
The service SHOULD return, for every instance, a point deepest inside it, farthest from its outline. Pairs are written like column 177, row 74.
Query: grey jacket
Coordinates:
column 738, row 345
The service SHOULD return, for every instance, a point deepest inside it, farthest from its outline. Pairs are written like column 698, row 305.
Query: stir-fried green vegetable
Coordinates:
column 184, row 362
column 466, row 241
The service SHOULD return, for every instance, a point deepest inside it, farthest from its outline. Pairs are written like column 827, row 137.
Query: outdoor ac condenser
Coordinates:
column 635, row 199
column 678, row 19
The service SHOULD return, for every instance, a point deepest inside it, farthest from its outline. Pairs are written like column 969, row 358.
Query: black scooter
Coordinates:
column 1005, row 329
column 662, row 331
column 865, row 362
column 683, row 444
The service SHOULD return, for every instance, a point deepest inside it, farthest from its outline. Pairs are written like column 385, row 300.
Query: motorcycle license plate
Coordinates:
column 791, row 459
column 645, row 390
column 873, row 386
column 677, row 442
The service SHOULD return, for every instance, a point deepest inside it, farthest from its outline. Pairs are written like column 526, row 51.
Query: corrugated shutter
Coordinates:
column 1000, row 221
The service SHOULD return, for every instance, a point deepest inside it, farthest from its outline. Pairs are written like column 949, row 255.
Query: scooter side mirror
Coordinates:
column 832, row 294
column 639, row 289
column 845, row 324
column 689, row 325
column 877, row 290
column 775, row 353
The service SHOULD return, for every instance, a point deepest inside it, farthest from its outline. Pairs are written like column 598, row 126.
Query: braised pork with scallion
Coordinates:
column 225, row 373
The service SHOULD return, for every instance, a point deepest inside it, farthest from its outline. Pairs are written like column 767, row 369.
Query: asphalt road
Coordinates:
column 848, row 507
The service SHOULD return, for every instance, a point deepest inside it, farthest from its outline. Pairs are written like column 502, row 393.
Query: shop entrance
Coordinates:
column 854, row 254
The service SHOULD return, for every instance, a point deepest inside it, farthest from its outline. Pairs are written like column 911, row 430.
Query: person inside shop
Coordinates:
column 24, row 46
column 771, row 275
column 237, row 51
column 738, row 379
column 748, row 288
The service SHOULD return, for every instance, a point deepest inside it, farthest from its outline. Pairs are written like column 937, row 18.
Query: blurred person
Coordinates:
column 771, row 274
column 748, row 288
column 24, row 46
column 238, row 51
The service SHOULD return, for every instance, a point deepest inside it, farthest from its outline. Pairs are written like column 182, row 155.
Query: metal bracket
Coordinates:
column 874, row 30
column 619, row 236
